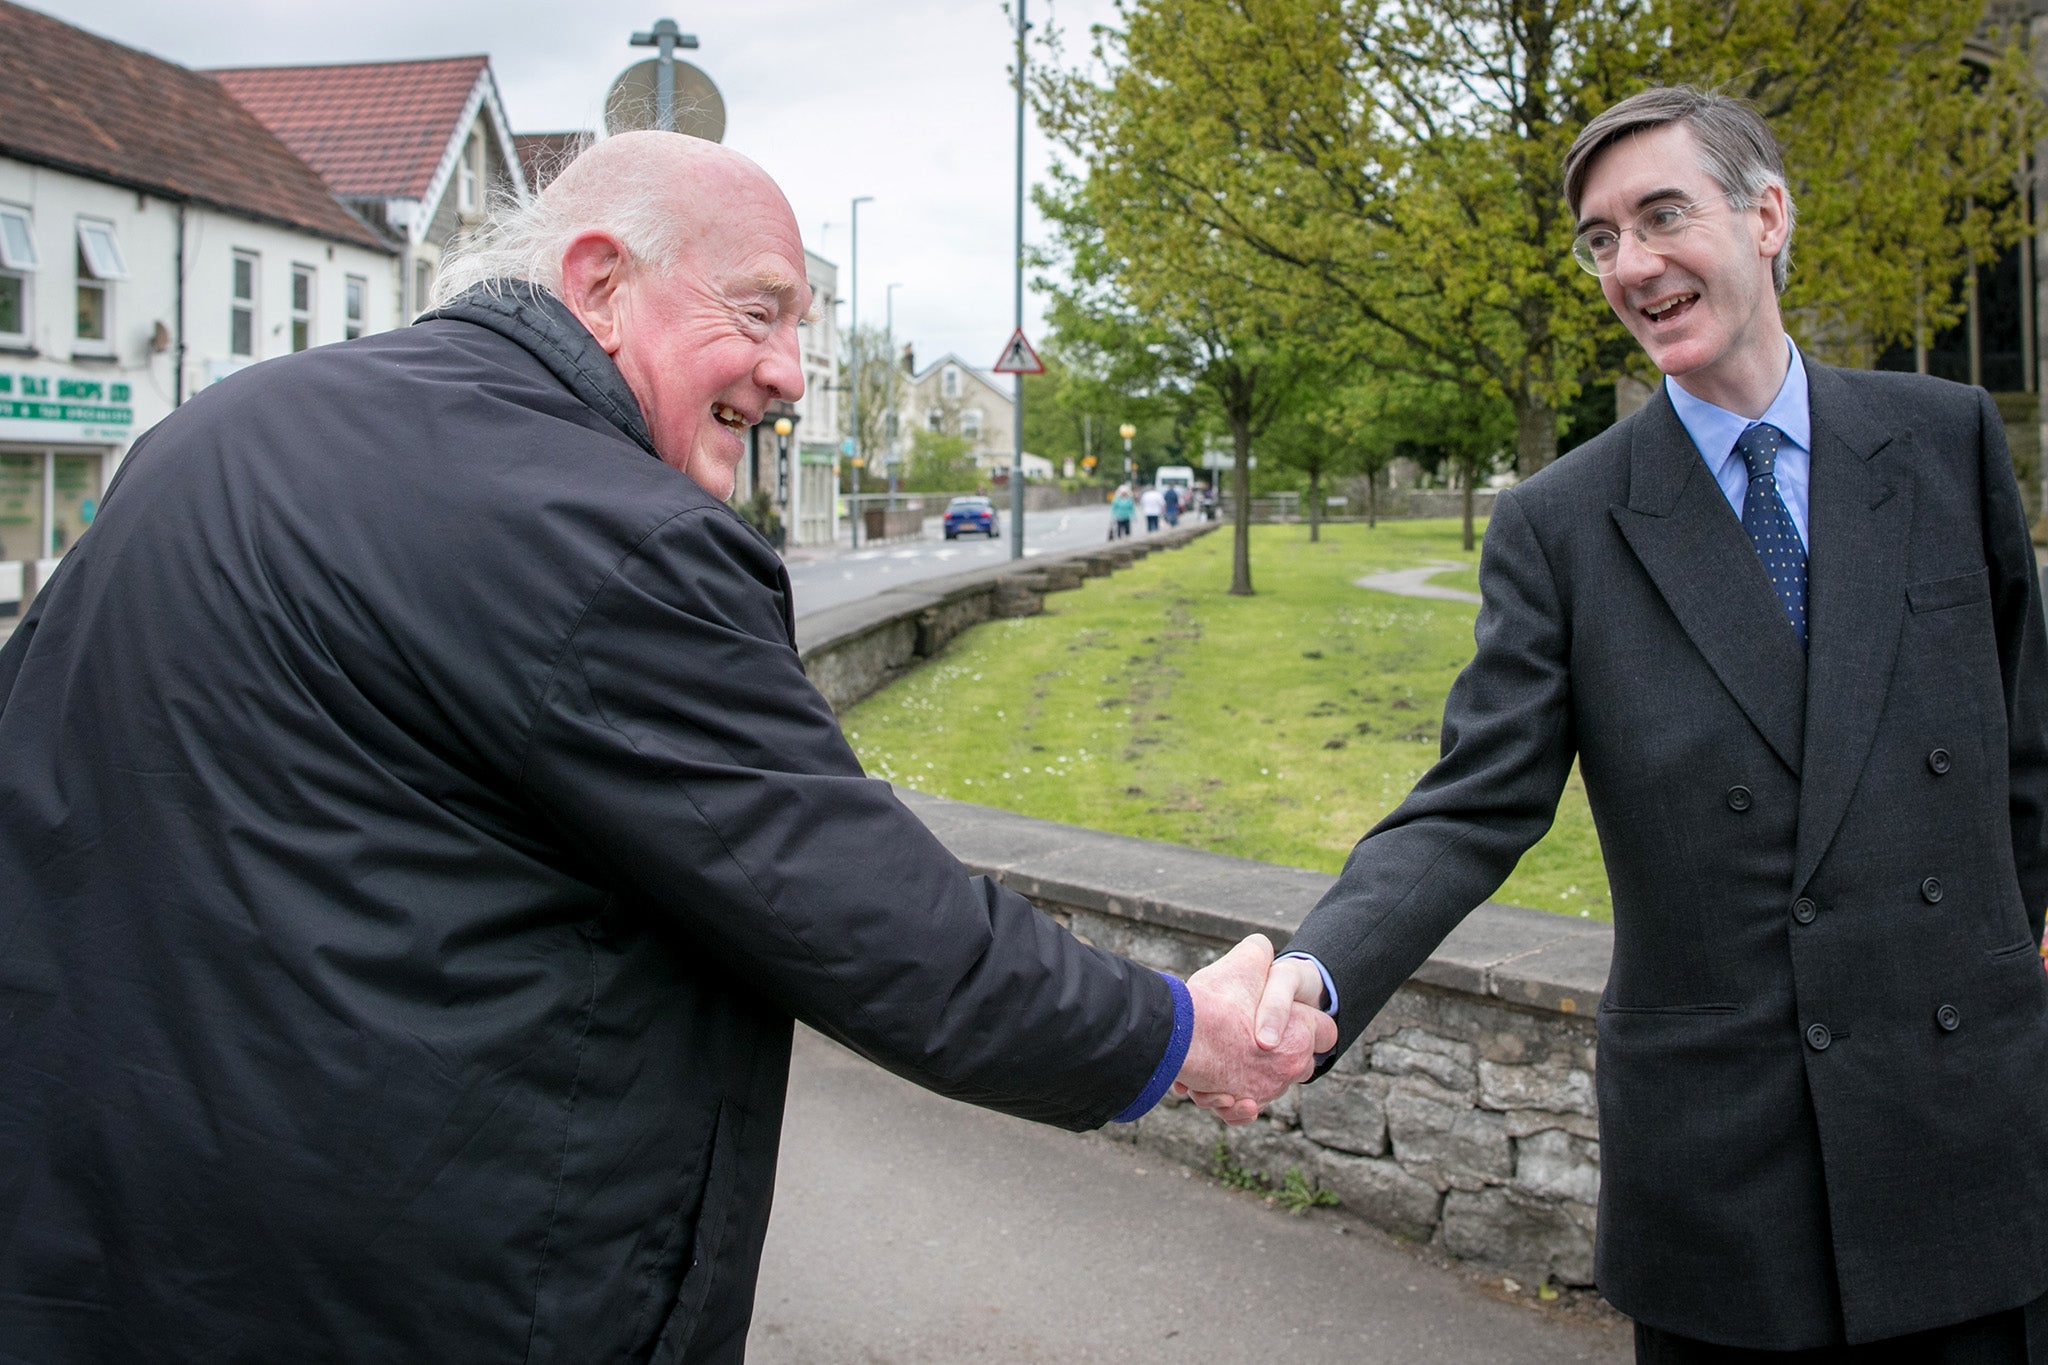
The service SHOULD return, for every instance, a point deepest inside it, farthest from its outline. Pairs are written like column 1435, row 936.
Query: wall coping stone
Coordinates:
column 1525, row 957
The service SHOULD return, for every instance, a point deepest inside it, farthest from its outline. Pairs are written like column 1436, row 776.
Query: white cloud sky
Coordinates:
column 907, row 100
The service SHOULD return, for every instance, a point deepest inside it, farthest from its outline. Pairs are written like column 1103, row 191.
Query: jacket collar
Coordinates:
column 537, row 321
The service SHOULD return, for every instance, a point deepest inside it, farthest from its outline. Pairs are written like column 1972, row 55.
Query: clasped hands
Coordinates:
column 1258, row 1029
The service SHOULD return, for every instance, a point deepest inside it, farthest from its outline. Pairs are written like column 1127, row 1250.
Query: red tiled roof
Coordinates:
column 84, row 104
column 542, row 155
column 374, row 130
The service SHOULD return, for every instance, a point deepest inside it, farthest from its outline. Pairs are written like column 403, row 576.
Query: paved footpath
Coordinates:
column 913, row 1229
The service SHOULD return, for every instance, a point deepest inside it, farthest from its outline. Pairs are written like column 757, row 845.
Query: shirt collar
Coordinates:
column 1715, row 429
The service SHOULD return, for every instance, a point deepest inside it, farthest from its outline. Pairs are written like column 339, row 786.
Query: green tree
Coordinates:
column 876, row 364
column 939, row 463
column 1396, row 163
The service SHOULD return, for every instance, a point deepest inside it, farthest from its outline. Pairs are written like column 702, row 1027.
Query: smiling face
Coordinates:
column 1706, row 313
column 707, row 343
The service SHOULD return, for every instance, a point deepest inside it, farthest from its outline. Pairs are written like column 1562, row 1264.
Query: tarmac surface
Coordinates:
column 914, row 1229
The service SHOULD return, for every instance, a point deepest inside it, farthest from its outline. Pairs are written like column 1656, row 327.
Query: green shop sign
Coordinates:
column 55, row 407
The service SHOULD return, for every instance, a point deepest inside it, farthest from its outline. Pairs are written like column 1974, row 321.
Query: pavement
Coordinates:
column 1415, row 583
column 916, row 1230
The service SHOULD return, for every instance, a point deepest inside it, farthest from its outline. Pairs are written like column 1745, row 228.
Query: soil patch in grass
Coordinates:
column 1279, row 727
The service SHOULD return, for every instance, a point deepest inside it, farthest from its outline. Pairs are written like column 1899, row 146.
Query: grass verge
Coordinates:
column 1280, row 726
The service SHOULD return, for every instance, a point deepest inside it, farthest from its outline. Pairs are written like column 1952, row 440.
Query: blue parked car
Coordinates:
column 970, row 514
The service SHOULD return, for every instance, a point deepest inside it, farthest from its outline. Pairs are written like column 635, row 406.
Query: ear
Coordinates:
column 1771, row 217
column 593, row 285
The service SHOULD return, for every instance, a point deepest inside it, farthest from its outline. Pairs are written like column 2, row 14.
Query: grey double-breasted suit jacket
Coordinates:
column 1823, row 1047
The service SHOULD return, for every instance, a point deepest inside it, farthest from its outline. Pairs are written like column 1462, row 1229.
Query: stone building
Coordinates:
column 953, row 398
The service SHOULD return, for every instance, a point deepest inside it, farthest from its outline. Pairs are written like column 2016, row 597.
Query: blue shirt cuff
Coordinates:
column 1176, row 1053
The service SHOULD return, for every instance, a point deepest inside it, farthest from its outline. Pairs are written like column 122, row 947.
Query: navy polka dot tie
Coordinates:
column 1770, row 525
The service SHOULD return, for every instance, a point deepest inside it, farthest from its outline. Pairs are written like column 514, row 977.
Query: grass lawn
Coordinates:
column 1280, row 726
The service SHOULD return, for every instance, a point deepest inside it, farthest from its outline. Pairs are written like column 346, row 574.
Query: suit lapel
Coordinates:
column 1859, row 516
column 1694, row 549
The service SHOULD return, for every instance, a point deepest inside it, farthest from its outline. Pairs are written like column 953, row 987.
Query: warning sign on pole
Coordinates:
column 1019, row 358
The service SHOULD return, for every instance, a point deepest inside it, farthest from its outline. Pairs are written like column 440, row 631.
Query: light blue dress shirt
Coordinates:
column 1714, row 432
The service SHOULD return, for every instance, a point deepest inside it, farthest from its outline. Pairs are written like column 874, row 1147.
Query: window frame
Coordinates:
column 98, row 267
column 18, row 267
column 303, row 317
column 949, row 382
column 248, row 305
column 355, row 306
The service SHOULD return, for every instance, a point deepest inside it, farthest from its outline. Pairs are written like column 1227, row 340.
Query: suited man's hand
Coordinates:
column 1227, row 1069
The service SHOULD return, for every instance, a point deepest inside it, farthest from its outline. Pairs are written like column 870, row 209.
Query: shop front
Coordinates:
column 60, row 435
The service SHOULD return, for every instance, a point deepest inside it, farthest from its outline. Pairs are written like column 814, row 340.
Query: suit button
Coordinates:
column 1947, row 1017
column 1804, row 910
column 1738, row 798
column 1818, row 1037
column 1938, row 762
column 1930, row 890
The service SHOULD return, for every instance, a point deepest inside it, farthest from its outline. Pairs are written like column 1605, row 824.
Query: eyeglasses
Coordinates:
column 1598, row 248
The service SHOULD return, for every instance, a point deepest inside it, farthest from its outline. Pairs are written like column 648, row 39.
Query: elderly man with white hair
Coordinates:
column 417, row 836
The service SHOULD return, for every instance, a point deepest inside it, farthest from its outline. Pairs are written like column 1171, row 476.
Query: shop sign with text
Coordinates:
column 58, row 407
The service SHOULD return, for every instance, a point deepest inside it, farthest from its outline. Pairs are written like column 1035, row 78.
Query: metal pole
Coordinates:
column 1017, row 424
column 665, row 38
column 853, row 501
column 889, row 413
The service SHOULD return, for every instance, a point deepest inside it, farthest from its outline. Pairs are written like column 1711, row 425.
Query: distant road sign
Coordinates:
column 699, row 108
column 1019, row 358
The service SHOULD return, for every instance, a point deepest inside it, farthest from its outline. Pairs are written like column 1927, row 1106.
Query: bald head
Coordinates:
column 657, row 192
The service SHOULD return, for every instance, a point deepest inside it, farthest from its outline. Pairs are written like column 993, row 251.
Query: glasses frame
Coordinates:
column 1661, row 245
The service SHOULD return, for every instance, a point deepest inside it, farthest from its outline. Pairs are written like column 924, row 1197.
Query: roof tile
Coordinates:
column 374, row 130
column 82, row 103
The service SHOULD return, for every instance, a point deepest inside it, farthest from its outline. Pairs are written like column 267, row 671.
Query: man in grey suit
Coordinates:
column 1786, row 618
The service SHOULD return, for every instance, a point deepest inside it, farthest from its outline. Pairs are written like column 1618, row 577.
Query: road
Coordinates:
column 919, row 1231
column 831, row 577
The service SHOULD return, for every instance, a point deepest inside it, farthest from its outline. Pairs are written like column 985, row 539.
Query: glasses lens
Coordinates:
column 1594, row 260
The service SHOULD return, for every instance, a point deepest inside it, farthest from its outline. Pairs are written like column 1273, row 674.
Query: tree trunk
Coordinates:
column 1372, row 499
column 1241, row 492
column 1470, row 465
column 1535, row 435
column 1315, row 504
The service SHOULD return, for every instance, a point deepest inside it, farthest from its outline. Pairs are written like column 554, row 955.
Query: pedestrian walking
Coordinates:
column 1120, row 508
column 1153, row 506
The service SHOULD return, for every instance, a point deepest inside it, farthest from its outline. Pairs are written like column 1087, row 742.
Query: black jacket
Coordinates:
column 416, row 836
column 1823, row 1055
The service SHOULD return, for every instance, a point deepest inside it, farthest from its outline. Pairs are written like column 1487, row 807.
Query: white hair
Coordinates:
column 523, row 242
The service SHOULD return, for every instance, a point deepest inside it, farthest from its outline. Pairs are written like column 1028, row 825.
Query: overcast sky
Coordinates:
column 907, row 100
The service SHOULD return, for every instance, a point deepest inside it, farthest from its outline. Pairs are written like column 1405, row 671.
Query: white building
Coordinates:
column 154, row 237
column 801, row 470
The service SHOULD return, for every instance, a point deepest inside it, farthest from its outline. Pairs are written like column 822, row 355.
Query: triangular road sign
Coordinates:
column 1019, row 358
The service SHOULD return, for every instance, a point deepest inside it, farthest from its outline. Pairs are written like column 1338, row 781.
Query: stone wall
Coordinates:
column 1465, row 1115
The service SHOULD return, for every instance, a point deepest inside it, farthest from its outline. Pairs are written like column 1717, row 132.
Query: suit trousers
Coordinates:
column 1998, row 1339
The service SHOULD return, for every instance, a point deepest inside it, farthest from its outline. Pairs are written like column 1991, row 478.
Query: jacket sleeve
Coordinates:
column 682, row 750
column 2022, row 657
column 1507, row 750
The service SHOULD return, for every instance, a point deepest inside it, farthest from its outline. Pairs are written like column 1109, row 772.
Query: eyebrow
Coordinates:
column 780, row 285
column 1643, row 202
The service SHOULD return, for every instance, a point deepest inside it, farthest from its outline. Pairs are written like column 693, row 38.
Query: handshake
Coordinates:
column 1258, row 1028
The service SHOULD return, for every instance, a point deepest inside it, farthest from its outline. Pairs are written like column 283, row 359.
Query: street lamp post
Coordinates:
column 889, row 412
column 1127, row 431
column 854, row 364
column 783, row 426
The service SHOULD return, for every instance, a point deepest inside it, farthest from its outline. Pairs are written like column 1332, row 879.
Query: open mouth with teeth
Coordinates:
column 1665, row 310
column 730, row 417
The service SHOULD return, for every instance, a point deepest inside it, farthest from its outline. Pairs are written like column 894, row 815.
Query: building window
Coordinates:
column 17, row 262
column 949, row 383
column 935, row 418
column 99, row 265
column 970, row 424
column 468, row 198
column 422, row 284
column 242, row 311
column 302, row 307
column 355, row 293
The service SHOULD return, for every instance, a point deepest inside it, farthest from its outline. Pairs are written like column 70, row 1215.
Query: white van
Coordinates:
column 1174, row 476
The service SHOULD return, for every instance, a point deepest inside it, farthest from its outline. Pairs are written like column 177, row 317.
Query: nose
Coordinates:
column 781, row 370
column 1634, row 262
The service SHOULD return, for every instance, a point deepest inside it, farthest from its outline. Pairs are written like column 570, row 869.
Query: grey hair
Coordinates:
column 523, row 242
column 1735, row 144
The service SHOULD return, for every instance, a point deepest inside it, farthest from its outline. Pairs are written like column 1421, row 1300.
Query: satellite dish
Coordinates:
column 630, row 104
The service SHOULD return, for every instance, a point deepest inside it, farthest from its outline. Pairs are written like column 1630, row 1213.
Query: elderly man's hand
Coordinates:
column 1227, row 1069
